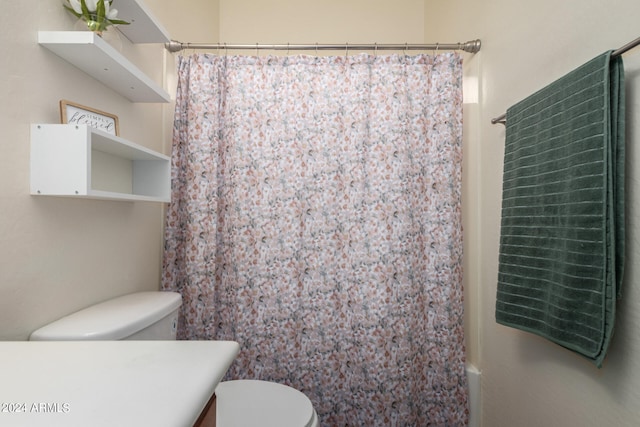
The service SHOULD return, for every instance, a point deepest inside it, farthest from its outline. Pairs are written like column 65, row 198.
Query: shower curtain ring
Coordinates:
column 287, row 48
column 406, row 45
column 316, row 48
column 346, row 49
column 375, row 49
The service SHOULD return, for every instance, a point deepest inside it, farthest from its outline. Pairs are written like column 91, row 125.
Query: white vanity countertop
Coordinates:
column 109, row 383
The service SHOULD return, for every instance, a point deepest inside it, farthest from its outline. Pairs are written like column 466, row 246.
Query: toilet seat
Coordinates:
column 243, row 403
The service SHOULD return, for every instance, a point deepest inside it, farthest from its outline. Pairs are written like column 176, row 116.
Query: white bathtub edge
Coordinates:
column 473, row 378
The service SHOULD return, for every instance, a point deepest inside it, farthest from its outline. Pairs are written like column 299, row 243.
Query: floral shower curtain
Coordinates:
column 316, row 220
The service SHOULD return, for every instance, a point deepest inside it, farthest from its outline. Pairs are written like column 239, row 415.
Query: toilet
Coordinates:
column 154, row 316
column 138, row 316
column 242, row 403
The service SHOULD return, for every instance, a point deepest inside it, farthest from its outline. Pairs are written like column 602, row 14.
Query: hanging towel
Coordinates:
column 562, row 230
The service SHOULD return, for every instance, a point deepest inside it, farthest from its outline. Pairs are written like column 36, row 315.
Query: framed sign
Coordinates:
column 72, row 113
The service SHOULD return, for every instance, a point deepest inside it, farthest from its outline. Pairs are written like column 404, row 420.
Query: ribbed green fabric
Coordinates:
column 562, row 231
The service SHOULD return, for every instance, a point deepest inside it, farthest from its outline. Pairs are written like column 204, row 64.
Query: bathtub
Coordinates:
column 473, row 378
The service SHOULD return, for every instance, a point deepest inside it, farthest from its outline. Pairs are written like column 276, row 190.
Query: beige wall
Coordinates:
column 527, row 381
column 58, row 254
column 329, row 21
column 188, row 20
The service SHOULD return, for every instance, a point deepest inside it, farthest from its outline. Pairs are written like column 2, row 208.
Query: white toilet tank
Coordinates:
column 138, row 316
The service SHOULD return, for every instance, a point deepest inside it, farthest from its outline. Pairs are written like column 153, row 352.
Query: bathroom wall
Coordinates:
column 527, row 381
column 58, row 255
column 329, row 21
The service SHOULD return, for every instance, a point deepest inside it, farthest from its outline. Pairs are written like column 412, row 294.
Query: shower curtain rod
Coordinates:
column 472, row 46
column 502, row 118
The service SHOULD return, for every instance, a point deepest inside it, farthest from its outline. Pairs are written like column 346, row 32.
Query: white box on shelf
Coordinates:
column 79, row 161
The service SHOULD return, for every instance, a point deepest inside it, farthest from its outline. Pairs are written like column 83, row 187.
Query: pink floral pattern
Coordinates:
column 315, row 219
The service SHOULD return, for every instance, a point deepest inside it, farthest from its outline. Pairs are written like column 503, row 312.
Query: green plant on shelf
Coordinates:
column 97, row 14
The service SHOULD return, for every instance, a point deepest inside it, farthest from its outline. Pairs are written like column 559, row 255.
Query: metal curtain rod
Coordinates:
column 503, row 117
column 472, row 46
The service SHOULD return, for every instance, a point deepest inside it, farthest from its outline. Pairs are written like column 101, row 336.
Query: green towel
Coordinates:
column 562, row 230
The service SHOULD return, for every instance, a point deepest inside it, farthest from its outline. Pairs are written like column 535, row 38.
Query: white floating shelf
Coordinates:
column 100, row 60
column 144, row 27
column 79, row 161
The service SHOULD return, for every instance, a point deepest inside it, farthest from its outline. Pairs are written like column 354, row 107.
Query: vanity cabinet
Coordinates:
column 207, row 417
column 114, row 383
column 80, row 161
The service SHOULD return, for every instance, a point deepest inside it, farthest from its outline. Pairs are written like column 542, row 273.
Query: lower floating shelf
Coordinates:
column 79, row 161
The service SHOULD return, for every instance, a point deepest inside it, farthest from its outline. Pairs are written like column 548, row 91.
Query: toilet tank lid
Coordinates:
column 114, row 319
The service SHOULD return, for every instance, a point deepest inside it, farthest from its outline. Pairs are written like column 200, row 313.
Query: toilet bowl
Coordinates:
column 154, row 316
column 243, row 403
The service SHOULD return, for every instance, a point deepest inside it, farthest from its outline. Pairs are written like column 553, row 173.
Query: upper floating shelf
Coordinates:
column 100, row 60
column 144, row 27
